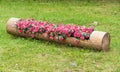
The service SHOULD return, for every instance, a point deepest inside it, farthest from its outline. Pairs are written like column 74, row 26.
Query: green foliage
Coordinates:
column 28, row 55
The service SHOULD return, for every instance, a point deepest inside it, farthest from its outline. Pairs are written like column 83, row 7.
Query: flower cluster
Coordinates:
column 53, row 31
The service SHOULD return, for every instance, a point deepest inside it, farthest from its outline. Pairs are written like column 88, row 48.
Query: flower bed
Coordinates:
column 59, row 32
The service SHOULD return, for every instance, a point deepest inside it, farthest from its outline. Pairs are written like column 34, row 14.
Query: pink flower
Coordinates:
column 87, row 37
column 36, row 29
column 65, row 31
column 82, row 37
column 77, row 34
column 90, row 30
column 61, row 38
column 31, row 29
column 20, row 31
column 18, row 25
column 51, row 37
column 84, row 29
column 23, row 26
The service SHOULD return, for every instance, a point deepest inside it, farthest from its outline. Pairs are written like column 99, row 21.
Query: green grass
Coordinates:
column 28, row 55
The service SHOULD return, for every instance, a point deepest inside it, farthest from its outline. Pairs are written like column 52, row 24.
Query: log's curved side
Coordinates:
column 98, row 40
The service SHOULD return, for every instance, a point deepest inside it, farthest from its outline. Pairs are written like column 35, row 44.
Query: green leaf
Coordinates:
column 84, row 34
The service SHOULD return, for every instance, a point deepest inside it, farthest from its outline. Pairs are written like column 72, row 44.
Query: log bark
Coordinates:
column 98, row 40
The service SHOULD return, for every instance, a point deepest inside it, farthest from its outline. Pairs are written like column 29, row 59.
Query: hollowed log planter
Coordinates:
column 98, row 40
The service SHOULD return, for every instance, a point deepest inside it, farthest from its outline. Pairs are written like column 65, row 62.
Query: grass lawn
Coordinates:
column 29, row 55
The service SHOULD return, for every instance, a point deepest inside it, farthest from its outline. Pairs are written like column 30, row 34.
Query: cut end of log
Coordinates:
column 101, row 40
column 106, row 42
column 11, row 24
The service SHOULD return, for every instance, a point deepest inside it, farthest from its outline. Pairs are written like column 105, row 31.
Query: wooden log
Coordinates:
column 98, row 40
